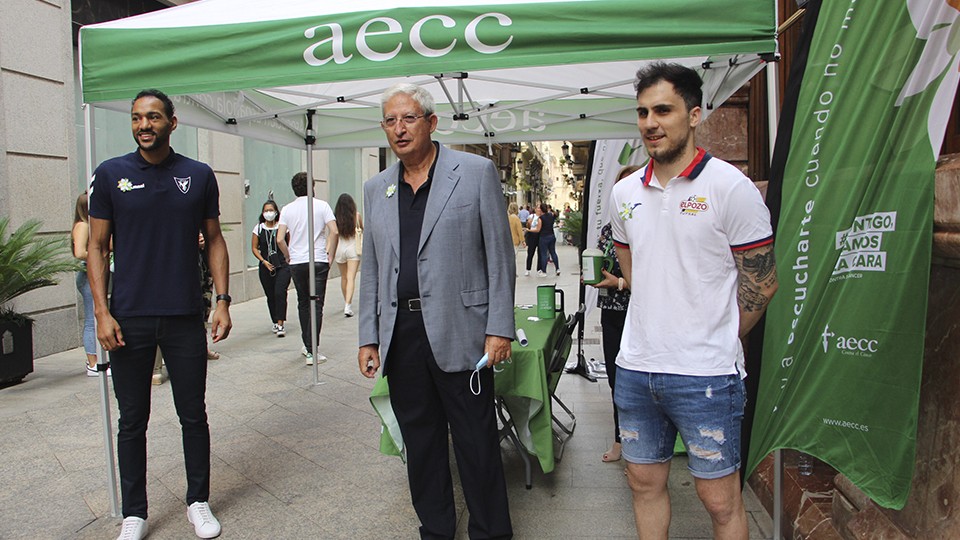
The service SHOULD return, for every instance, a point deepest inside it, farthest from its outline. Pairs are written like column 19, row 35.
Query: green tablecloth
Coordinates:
column 521, row 382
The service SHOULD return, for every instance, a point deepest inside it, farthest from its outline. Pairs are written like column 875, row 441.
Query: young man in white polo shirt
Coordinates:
column 293, row 218
column 694, row 241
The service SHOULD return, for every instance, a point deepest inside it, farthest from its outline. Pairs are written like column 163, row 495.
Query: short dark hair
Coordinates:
column 299, row 184
column 153, row 92
column 685, row 81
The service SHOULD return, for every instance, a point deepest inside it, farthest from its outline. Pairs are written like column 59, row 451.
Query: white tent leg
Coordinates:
column 311, row 226
column 773, row 110
column 101, row 354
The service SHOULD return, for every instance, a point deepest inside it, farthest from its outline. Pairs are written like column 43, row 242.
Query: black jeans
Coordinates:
column 275, row 289
column 301, row 280
column 184, row 346
column 426, row 400
column 611, row 323
column 533, row 240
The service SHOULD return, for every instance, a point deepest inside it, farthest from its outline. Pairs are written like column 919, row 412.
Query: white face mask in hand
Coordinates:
column 269, row 216
column 482, row 363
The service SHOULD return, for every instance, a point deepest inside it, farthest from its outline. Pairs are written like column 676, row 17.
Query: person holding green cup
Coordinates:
column 613, row 299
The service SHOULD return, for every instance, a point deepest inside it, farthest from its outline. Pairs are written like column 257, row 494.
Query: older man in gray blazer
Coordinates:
column 436, row 294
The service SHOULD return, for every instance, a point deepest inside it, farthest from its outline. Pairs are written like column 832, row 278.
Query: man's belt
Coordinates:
column 410, row 304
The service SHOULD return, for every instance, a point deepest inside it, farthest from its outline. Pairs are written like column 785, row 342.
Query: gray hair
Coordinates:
column 418, row 93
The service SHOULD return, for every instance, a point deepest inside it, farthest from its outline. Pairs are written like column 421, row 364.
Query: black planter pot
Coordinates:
column 16, row 352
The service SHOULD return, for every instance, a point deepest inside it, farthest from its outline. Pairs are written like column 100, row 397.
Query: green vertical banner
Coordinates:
column 843, row 345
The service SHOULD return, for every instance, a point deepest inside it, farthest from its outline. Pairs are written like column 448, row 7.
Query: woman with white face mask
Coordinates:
column 274, row 271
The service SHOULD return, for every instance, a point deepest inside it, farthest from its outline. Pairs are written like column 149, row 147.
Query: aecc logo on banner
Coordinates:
column 857, row 346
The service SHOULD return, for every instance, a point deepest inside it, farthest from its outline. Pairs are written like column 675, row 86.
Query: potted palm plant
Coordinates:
column 27, row 262
column 572, row 227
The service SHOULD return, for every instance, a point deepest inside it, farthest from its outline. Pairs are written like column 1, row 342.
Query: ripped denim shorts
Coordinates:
column 706, row 411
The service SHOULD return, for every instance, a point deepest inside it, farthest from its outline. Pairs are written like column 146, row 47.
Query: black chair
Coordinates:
column 507, row 431
column 555, row 368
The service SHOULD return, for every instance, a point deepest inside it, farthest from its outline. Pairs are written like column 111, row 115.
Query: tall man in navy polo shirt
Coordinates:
column 152, row 202
column 694, row 242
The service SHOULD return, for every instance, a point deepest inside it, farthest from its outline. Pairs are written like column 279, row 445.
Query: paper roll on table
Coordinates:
column 522, row 337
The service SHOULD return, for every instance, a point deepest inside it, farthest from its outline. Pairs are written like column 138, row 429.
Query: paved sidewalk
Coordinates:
column 295, row 460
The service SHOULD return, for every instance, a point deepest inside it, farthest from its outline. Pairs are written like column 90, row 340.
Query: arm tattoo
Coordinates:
column 757, row 271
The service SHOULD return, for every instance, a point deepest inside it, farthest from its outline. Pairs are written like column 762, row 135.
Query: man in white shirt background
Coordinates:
column 293, row 219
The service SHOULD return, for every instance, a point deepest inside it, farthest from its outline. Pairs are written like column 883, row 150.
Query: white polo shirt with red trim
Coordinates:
column 683, row 316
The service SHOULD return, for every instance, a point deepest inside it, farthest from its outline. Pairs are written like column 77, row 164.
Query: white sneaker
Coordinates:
column 320, row 359
column 348, row 310
column 541, row 274
column 558, row 272
column 280, row 331
column 133, row 528
column 276, row 327
column 205, row 524
column 526, row 272
column 304, row 351
column 92, row 371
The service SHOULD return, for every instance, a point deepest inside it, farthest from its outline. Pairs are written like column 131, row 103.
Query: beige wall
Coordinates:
column 39, row 162
column 37, row 147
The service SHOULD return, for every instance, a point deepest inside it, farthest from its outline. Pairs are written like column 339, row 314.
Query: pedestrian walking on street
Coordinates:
column 296, row 252
column 273, row 269
column 350, row 225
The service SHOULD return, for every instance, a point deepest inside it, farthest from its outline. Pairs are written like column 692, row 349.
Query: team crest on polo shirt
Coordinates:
column 182, row 183
column 693, row 205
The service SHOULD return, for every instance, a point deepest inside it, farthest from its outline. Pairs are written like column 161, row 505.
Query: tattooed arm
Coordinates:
column 757, row 281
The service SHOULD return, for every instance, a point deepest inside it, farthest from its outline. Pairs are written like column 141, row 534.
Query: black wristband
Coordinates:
column 225, row 297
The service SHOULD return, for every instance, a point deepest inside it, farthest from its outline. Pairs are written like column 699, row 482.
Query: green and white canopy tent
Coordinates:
column 308, row 73
column 500, row 71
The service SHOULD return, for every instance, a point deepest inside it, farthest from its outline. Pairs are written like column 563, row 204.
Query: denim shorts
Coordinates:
column 707, row 412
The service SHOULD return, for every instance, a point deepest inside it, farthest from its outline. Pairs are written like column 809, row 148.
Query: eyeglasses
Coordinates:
column 408, row 119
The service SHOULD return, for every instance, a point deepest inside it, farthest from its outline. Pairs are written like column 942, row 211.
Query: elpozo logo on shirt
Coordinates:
column 183, row 184
column 693, row 205
column 125, row 185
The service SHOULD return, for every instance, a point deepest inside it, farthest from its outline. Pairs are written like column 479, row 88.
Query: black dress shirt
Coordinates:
column 412, row 206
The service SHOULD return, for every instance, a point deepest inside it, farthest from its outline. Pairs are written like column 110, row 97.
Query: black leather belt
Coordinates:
column 410, row 304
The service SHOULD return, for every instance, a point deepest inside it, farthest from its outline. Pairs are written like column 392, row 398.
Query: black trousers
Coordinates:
column 611, row 323
column 426, row 400
column 533, row 240
column 275, row 289
column 184, row 346
column 301, row 280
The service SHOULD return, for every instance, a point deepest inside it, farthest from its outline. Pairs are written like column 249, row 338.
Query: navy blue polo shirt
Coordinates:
column 156, row 212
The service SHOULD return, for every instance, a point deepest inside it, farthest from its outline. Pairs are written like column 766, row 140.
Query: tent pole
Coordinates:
column 102, row 363
column 772, row 119
column 309, row 140
column 773, row 107
column 582, row 368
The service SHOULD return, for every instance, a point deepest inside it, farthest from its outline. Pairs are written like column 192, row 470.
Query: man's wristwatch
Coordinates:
column 225, row 297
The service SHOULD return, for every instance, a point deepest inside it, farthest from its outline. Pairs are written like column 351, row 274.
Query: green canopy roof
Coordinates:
column 500, row 71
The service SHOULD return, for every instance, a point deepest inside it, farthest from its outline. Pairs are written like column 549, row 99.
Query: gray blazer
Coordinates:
column 467, row 265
